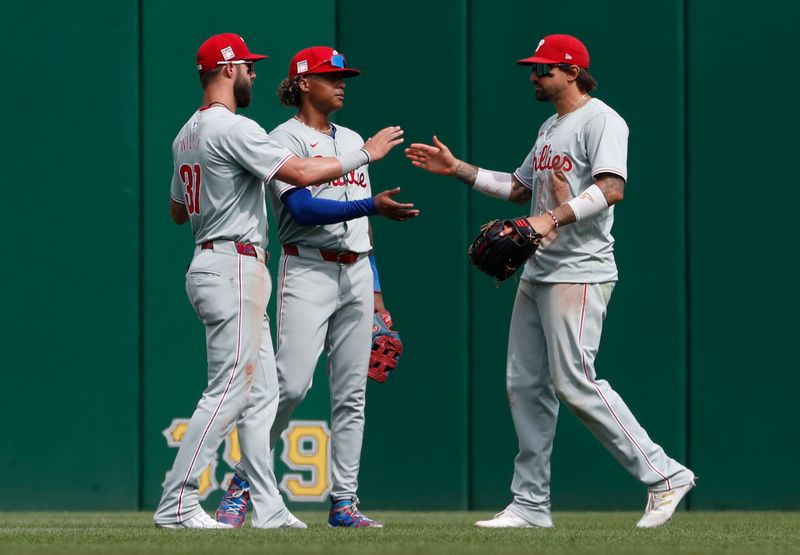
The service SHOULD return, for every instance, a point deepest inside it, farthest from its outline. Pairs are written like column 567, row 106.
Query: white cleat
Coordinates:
column 294, row 522
column 661, row 505
column 200, row 520
column 505, row 519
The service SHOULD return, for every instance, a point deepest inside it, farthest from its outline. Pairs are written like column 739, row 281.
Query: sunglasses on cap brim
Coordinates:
column 545, row 70
column 337, row 61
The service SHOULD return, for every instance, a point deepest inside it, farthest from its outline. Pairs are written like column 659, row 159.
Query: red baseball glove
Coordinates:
column 386, row 348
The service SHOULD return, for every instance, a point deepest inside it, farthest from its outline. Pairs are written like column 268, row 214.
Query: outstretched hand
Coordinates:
column 436, row 159
column 383, row 141
column 385, row 206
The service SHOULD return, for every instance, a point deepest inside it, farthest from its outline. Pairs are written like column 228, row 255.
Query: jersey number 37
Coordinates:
column 191, row 177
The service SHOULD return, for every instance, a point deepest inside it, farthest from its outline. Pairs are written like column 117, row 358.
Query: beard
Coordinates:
column 242, row 91
column 542, row 95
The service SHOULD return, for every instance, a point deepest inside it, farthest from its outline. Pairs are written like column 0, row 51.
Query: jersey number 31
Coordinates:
column 190, row 176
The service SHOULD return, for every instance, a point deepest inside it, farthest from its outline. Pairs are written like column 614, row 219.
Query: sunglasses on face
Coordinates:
column 240, row 62
column 546, row 70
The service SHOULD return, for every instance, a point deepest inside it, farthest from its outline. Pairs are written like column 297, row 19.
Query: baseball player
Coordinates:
column 328, row 284
column 573, row 176
column 221, row 162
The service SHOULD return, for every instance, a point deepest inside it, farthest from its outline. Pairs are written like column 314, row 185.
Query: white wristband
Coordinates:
column 590, row 202
column 353, row 160
column 492, row 183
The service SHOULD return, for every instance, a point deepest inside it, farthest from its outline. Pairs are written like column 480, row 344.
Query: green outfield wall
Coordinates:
column 105, row 359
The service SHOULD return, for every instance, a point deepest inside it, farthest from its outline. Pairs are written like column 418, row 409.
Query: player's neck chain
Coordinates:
column 327, row 131
column 210, row 104
column 580, row 102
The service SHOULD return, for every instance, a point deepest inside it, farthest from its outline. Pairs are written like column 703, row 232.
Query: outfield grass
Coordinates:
column 406, row 533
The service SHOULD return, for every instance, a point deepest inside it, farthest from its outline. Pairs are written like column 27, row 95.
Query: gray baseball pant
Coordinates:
column 554, row 338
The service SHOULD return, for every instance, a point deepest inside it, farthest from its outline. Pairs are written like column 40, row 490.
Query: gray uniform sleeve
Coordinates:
column 606, row 136
column 176, row 189
column 256, row 151
column 295, row 146
column 524, row 173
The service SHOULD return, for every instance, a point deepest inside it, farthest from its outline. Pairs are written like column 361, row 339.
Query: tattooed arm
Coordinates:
column 520, row 194
column 612, row 185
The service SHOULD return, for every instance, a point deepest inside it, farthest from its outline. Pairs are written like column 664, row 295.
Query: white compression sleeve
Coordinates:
column 353, row 160
column 590, row 202
column 492, row 183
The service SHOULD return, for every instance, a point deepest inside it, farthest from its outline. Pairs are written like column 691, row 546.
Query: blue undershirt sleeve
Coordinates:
column 307, row 210
column 376, row 282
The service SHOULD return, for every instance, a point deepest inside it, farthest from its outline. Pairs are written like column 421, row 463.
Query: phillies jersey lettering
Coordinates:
column 221, row 161
column 547, row 161
column 352, row 235
column 355, row 177
column 569, row 151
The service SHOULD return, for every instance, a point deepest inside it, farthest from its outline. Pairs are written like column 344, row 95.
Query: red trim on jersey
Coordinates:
column 524, row 183
column 615, row 171
column 278, row 166
column 603, row 397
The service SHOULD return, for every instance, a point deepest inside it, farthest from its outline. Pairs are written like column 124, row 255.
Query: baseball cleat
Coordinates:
column 345, row 513
column 505, row 519
column 233, row 508
column 200, row 520
column 294, row 522
column 661, row 505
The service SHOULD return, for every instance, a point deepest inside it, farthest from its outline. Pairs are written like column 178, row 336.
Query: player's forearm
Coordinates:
column 304, row 172
column 376, row 285
column 520, row 194
column 606, row 191
column 466, row 173
column 379, row 306
column 500, row 185
column 178, row 212
column 489, row 182
column 307, row 210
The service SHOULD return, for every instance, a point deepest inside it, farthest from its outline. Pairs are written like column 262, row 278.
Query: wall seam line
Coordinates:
column 468, row 445
column 140, row 355
column 687, row 243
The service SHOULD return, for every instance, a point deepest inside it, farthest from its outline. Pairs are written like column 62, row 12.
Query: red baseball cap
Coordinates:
column 559, row 49
column 226, row 47
column 320, row 59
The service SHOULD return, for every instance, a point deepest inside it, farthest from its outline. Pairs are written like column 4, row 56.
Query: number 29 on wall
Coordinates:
column 306, row 452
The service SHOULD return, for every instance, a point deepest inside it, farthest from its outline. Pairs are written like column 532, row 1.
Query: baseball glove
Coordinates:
column 386, row 348
column 500, row 256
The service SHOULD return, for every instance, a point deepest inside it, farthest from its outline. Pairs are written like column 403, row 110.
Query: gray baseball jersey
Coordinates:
column 307, row 142
column 221, row 178
column 582, row 144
